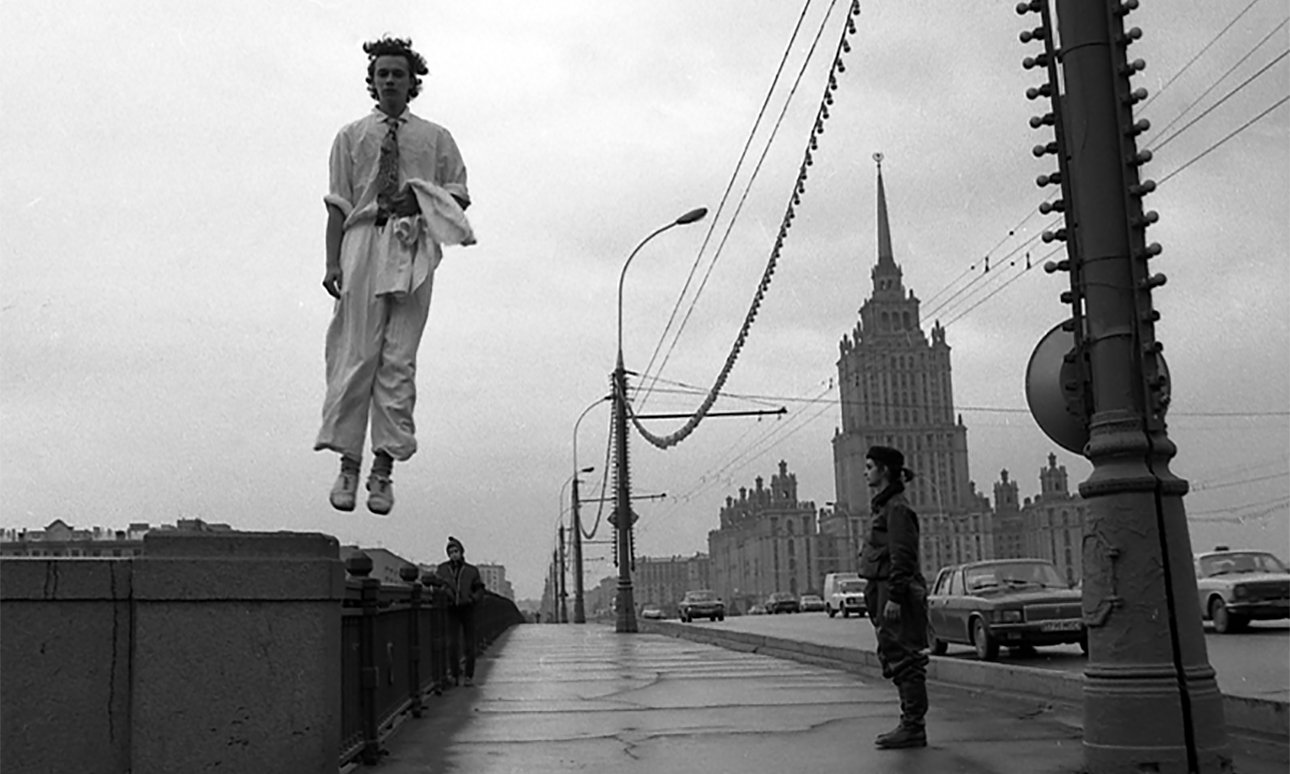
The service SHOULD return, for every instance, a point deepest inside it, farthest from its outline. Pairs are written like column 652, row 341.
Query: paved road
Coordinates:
column 1255, row 663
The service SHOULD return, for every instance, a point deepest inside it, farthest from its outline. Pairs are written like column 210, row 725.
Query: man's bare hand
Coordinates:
column 891, row 611
column 332, row 281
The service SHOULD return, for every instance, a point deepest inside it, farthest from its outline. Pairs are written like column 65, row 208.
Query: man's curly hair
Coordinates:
column 388, row 46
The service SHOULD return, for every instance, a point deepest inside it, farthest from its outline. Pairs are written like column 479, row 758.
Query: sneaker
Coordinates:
column 344, row 490
column 380, row 498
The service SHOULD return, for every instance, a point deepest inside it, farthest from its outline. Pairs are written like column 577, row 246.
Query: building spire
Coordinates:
column 885, row 256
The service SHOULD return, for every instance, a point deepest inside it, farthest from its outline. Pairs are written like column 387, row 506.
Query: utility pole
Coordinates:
column 564, row 595
column 1151, row 701
column 579, row 604
column 625, row 557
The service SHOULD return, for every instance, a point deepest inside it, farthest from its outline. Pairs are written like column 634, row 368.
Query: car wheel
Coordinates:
column 987, row 647
column 938, row 646
column 721, row 618
column 1218, row 613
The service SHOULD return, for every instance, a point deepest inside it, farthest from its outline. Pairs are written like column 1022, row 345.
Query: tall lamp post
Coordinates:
column 579, row 596
column 562, row 595
column 626, row 616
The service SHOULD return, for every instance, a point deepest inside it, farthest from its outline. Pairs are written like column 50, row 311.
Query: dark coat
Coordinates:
column 461, row 583
column 891, row 551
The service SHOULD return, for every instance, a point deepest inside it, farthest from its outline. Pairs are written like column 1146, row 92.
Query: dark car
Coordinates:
column 1237, row 587
column 782, row 602
column 1014, row 603
column 701, row 603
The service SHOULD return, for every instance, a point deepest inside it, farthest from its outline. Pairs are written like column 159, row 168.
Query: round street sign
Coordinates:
column 1053, row 390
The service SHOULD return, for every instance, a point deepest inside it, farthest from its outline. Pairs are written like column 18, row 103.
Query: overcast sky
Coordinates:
column 162, row 243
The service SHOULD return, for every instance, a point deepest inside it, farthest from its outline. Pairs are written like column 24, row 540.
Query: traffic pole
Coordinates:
column 1151, row 701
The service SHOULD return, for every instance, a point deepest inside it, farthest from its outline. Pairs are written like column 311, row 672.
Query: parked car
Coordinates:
column 650, row 611
column 1237, row 587
column 844, row 593
column 757, row 610
column 781, row 602
column 701, row 603
column 1014, row 603
column 810, row 603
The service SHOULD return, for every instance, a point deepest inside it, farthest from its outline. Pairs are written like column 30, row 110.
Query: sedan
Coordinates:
column 1237, row 587
column 650, row 611
column 1014, row 603
column 701, row 603
column 782, row 602
column 811, row 603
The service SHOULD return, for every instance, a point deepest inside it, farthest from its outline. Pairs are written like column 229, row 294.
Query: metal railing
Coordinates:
column 398, row 644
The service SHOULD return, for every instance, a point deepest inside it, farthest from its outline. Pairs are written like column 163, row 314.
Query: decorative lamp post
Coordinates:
column 622, row 518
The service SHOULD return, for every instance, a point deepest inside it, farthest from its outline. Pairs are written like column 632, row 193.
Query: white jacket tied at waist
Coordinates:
column 407, row 251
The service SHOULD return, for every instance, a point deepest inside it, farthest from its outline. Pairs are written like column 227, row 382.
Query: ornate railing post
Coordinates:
column 410, row 574
column 360, row 566
column 435, row 643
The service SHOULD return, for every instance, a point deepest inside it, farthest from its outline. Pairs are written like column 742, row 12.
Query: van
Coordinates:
column 844, row 593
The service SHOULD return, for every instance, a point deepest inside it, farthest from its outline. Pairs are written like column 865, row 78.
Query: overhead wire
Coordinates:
column 1217, row 104
column 1200, row 53
column 1213, row 85
column 821, row 114
column 725, row 196
column 948, row 306
column 1224, row 140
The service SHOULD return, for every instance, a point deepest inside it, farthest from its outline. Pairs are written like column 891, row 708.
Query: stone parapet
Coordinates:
column 209, row 651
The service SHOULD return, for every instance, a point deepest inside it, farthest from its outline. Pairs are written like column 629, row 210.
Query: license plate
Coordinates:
column 1060, row 626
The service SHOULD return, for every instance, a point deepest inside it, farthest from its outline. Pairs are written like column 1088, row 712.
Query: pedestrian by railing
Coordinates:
column 398, row 648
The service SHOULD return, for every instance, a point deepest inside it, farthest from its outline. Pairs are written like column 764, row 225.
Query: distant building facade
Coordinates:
column 662, row 582
column 494, row 578
column 61, row 539
column 1053, row 523
column 386, row 564
column 767, row 542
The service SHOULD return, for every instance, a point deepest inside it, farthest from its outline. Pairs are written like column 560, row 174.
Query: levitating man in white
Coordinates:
column 397, row 193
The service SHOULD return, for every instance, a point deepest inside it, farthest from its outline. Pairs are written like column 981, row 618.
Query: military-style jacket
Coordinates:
column 891, row 551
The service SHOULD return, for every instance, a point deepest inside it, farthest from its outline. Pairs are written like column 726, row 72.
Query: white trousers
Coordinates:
column 371, row 357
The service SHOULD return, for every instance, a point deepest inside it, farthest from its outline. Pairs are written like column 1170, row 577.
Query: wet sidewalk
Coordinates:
column 583, row 698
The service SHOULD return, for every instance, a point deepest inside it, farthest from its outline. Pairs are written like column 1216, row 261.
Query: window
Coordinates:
column 942, row 584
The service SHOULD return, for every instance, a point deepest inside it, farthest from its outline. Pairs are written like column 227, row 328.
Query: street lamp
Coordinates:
column 579, row 597
column 626, row 617
column 562, row 608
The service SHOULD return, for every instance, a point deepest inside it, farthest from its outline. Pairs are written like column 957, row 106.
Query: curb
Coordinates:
column 1263, row 718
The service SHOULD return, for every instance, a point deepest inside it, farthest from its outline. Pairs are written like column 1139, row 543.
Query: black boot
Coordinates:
column 902, row 736
column 913, row 708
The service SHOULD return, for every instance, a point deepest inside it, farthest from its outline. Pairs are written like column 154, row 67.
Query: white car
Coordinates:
column 1237, row 587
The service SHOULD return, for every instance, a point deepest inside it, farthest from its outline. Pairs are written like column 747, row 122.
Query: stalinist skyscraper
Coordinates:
column 896, row 390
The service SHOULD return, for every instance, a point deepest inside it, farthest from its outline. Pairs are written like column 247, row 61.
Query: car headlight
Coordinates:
column 1240, row 592
column 1007, row 616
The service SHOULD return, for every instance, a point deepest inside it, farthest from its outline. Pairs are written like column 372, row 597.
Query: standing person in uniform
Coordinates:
column 896, row 595
column 397, row 192
column 465, row 589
